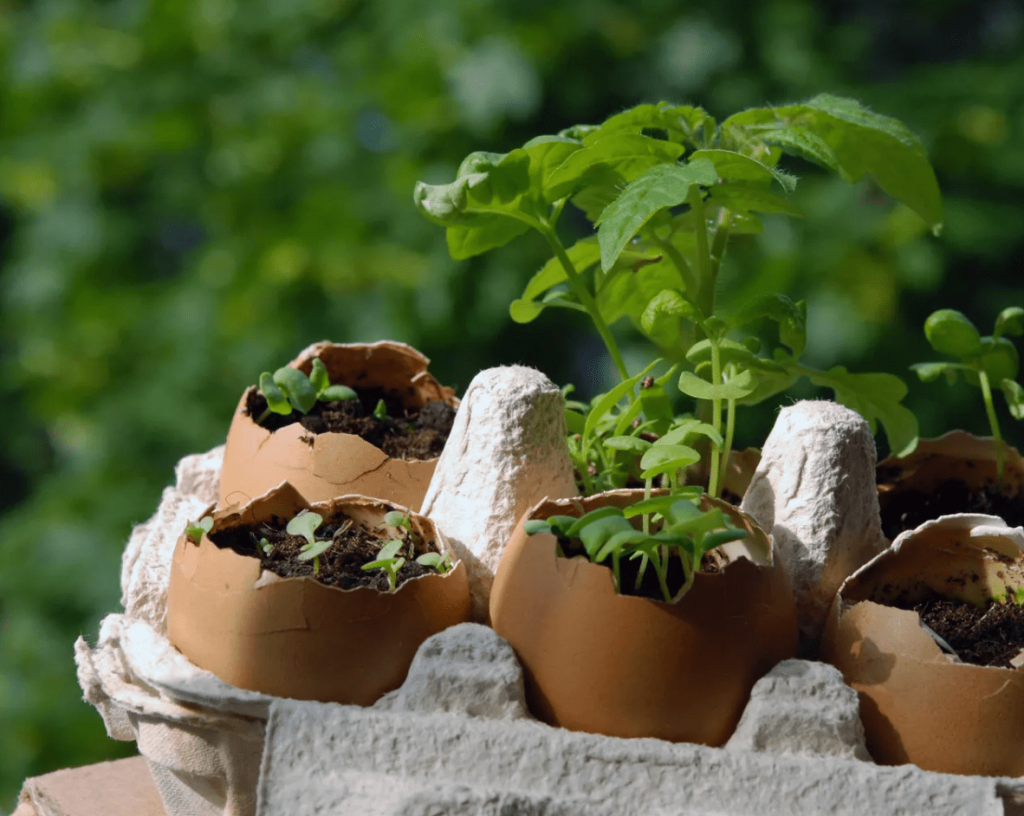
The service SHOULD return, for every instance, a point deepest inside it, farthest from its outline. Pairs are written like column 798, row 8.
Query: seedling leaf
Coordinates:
column 296, row 387
column 951, row 332
column 305, row 525
column 739, row 386
column 197, row 529
column 319, row 377
column 276, row 400
column 1014, row 394
column 1010, row 321
column 337, row 393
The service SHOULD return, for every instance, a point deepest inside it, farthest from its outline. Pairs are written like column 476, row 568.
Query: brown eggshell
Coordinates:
column 956, row 455
column 917, row 705
column 626, row 666
column 296, row 637
column 322, row 466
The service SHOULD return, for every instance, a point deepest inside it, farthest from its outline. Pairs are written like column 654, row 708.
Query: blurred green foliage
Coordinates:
column 193, row 190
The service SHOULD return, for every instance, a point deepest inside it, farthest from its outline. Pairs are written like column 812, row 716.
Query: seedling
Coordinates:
column 436, row 561
column 984, row 362
column 390, row 561
column 607, row 533
column 288, row 389
column 196, row 529
column 665, row 187
column 305, row 524
column 380, row 411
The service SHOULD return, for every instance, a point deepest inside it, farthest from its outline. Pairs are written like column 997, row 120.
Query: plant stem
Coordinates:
column 720, row 241
column 990, row 410
column 714, row 488
column 585, row 298
column 730, row 426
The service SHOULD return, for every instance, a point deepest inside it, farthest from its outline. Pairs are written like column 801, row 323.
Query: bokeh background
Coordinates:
column 193, row 190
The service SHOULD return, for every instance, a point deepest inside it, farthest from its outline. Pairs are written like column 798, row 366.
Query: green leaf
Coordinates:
column 313, row 550
column 660, row 317
column 597, row 531
column 1014, row 394
column 337, row 393
column 733, row 166
column 319, row 377
column 389, row 550
column 791, row 317
column 632, row 444
column 627, row 293
column 197, row 529
column 932, row 371
column 741, row 198
column 305, row 525
column 583, row 254
column 661, row 186
column 628, row 155
column 1010, row 321
column 682, row 123
column 806, row 144
column 536, row 526
column 574, row 423
column 380, row 410
column 665, row 458
column 862, row 142
column 275, row 397
column 487, row 205
column 951, row 332
column 739, row 386
column 296, row 387
column 397, row 518
column 999, row 359
column 689, row 427
column 609, row 400
column 876, row 397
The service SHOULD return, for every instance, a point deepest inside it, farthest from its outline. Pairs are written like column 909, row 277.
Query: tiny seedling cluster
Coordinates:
column 607, row 536
column 289, row 389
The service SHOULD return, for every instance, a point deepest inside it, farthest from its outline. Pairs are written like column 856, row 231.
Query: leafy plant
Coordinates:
column 985, row 362
column 665, row 187
column 389, row 560
column 606, row 533
column 288, row 389
column 197, row 529
column 305, row 524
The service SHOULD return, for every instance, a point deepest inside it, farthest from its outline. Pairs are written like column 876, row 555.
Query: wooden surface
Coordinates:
column 120, row 788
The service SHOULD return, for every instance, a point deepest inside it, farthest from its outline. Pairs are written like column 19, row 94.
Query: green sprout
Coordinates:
column 380, row 411
column 985, row 362
column 606, row 533
column 288, row 389
column 305, row 524
column 389, row 560
column 665, row 187
column 197, row 529
column 266, row 546
column 436, row 561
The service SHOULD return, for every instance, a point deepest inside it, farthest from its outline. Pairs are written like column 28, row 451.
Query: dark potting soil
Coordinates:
column 983, row 637
column 905, row 511
column 340, row 565
column 406, row 433
column 629, row 569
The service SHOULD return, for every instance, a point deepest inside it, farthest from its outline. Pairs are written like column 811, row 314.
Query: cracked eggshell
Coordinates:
column 322, row 466
column 956, row 455
column 917, row 704
column 296, row 637
column 625, row 666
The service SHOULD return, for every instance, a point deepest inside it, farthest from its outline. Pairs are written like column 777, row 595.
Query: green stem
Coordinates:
column 720, row 242
column 585, row 298
column 661, row 569
column 714, row 488
column 990, row 410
